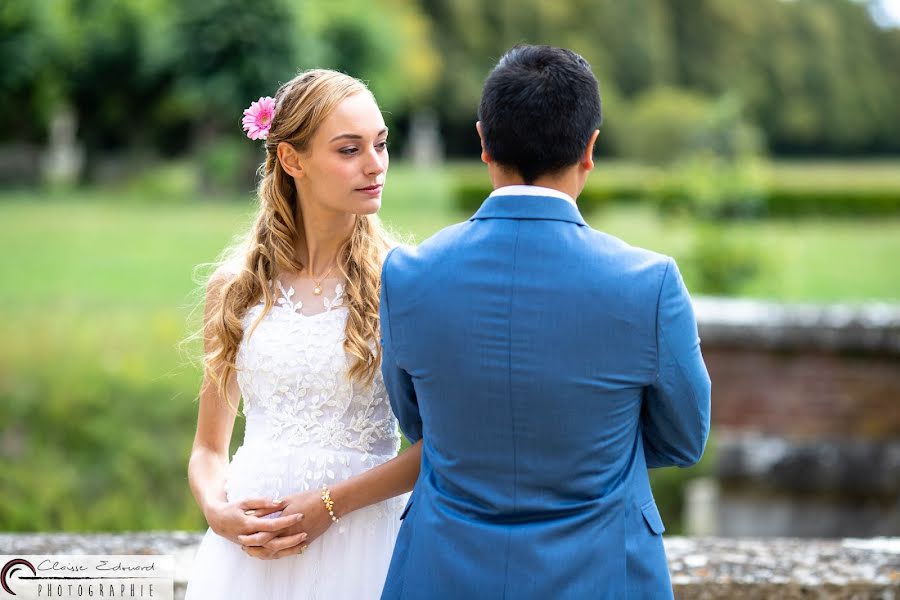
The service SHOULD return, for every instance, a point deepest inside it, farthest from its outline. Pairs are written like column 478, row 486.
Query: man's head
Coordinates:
column 539, row 111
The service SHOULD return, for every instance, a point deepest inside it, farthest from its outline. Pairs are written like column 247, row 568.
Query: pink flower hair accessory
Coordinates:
column 258, row 118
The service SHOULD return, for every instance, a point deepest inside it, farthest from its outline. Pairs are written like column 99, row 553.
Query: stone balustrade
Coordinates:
column 701, row 568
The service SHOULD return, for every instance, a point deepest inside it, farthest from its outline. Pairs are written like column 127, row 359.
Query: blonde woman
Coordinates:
column 308, row 507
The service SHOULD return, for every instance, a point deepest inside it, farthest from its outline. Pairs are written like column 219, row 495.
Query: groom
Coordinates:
column 547, row 365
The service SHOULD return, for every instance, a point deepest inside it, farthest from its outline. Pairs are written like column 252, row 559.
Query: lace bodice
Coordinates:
column 292, row 372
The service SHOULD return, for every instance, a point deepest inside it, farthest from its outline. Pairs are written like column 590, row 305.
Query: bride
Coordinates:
column 291, row 326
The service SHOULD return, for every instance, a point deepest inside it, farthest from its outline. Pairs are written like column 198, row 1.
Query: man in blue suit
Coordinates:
column 546, row 365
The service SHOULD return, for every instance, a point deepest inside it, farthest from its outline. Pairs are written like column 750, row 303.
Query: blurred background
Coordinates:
column 756, row 142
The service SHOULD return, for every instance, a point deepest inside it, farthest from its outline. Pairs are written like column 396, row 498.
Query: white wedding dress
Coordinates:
column 306, row 424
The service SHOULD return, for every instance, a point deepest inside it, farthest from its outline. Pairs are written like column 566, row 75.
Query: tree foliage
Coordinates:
column 815, row 76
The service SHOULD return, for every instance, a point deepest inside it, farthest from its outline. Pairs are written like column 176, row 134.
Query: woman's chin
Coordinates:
column 368, row 207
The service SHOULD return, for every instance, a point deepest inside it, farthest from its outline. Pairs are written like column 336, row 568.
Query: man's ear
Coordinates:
column 485, row 157
column 587, row 160
column 290, row 160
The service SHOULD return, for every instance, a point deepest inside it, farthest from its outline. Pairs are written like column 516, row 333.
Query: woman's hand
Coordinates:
column 385, row 481
column 296, row 538
column 234, row 520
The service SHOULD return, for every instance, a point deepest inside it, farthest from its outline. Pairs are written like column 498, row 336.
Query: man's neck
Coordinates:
column 567, row 181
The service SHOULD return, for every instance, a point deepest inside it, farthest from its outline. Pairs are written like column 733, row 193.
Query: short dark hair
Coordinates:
column 538, row 110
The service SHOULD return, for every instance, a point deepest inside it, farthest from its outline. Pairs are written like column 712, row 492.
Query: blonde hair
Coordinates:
column 301, row 105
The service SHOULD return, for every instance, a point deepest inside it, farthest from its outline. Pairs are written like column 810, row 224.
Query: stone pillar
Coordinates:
column 701, row 507
column 424, row 148
column 64, row 158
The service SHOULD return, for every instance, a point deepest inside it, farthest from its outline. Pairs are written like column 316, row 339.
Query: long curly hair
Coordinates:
column 301, row 105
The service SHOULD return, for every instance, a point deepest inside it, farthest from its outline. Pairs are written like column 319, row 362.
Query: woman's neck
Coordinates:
column 320, row 237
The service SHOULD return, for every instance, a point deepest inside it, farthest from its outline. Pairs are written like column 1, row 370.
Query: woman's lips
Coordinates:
column 372, row 190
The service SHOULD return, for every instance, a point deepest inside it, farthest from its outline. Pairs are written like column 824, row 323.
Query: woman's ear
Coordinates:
column 290, row 160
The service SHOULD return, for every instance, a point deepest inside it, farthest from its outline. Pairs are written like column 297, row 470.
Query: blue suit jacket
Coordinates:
column 547, row 366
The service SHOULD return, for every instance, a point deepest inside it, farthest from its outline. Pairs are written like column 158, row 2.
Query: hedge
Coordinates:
column 470, row 195
column 854, row 202
column 778, row 201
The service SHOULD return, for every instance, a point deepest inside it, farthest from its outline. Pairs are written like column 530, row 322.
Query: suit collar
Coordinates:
column 529, row 207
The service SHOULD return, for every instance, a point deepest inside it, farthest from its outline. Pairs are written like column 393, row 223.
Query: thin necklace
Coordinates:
column 318, row 283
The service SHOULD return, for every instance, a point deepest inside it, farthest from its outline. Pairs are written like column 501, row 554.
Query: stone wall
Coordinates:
column 701, row 568
column 806, row 417
column 803, row 372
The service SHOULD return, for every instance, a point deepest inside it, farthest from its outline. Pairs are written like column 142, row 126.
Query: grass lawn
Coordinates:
column 89, row 250
column 96, row 287
column 809, row 260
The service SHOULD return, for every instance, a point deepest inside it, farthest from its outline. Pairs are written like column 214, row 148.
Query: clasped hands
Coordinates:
column 303, row 518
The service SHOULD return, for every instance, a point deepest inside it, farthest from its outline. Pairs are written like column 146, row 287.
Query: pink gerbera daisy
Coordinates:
column 258, row 118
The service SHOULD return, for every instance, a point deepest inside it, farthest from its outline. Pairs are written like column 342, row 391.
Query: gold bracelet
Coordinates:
column 329, row 503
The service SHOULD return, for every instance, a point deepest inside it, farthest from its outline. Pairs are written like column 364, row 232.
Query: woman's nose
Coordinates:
column 377, row 163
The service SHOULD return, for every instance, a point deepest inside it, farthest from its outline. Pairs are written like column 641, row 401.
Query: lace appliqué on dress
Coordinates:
column 307, row 423
column 286, row 300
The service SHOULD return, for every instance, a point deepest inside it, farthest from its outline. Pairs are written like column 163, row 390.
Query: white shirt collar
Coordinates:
column 531, row 190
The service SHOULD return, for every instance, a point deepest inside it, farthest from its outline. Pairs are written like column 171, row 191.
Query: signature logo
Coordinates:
column 10, row 568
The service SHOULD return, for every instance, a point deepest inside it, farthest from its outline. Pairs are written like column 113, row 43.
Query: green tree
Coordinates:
column 815, row 74
column 233, row 53
column 28, row 86
column 102, row 61
column 390, row 48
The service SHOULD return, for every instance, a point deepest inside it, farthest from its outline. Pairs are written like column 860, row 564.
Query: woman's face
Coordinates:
column 344, row 166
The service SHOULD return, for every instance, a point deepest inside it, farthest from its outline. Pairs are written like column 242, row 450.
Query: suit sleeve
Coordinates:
column 675, row 414
column 401, row 392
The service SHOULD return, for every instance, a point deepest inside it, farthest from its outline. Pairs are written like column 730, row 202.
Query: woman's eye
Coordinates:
column 382, row 146
column 347, row 151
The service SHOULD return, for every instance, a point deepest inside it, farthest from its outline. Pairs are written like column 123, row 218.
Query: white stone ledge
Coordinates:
column 757, row 324
column 702, row 568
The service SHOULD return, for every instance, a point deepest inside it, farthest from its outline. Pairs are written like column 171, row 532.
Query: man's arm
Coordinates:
column 398, row 382
column 675, row 415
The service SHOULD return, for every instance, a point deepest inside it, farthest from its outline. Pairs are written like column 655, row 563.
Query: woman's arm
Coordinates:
column 209, row 455
column 387, row 480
